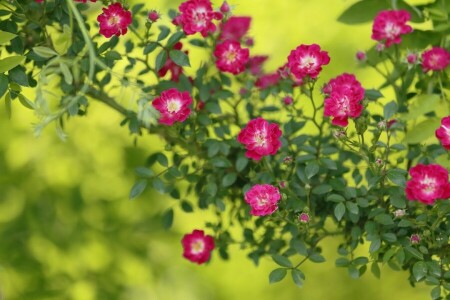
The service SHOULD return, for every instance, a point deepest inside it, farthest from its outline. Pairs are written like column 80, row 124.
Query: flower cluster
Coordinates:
column 260, row 138
column 197, row 16
column 435, row 59
column 263, row 199
column 345, row 94
column 114, row 20
column 390, row 25
column 173, row 106
column 231, row 57
column 428, row 183
column 197, row 246
column 307, row 61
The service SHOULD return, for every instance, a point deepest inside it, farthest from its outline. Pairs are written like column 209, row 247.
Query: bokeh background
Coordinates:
column 68, row 230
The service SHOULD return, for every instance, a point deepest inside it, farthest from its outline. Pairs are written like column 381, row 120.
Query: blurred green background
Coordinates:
column 68, row 230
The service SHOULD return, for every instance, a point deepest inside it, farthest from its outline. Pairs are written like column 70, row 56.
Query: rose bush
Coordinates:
column 260, row 149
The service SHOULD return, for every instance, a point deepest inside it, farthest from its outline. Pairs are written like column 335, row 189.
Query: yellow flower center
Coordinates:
column 173, row 106
column 198, row 246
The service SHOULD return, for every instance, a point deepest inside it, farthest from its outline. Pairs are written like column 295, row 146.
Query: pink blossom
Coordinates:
column 254, row 64
column 435, row 59
column 235, row 28
column 231, row 57
column 260, row 138
column 345, row 94
column 307, row 60
column 114, row 20
column 173, row 106
column 169, row 65
column 428, row 183
column 197, row 246
column 263, row 199
column 443, row 132
column 197, row 16
column 267, row 80
column 389, row 25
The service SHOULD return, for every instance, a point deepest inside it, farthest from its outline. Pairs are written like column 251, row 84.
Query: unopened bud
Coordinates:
column 304, row 218
column 414, row 239
column 399, row 213
column 225, row 8
column 361, row 56
column 288, row 100
column 153, row 16
column 380, row 47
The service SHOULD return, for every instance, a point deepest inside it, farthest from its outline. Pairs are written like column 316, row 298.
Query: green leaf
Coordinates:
column 389, row 237
column 375, row 269
column 389, row 110
column 144, row 172
column 436, row 293
column 342, row 262
column 11, row 62
column 322, row 189
column 138, row 188
column 164, row 32
column 414, row 252
column 373, row 94
column 404, row 223
column 277, row 275
column 44, row 52
column 419, row 270
column 352, row 207
column 180, row 58
column 160, row 60
column 299, row 246
column 397, row 176
column 229, row 179
column 4, row 82
column 186, row 207
column 150, row 47
column 421, row 132
column 211, row 188
column 353, row 272
column 5, row 37
column 317, row 258
column 241, row 163
column 68, row 78
column 384, row 219
column 113, row 55
column 282, row 260
column 311, row 169
column 167, row 219
column 335, row 198
column 26, row 102
column 18, row 75
column 8, row 105
column 175, row 38
column 398, row 201
column 339, row 211
column 161, row 158
column 362, row 12
column 375, row 245
column 159, row 185
column 297, row 277
column 420, row 105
